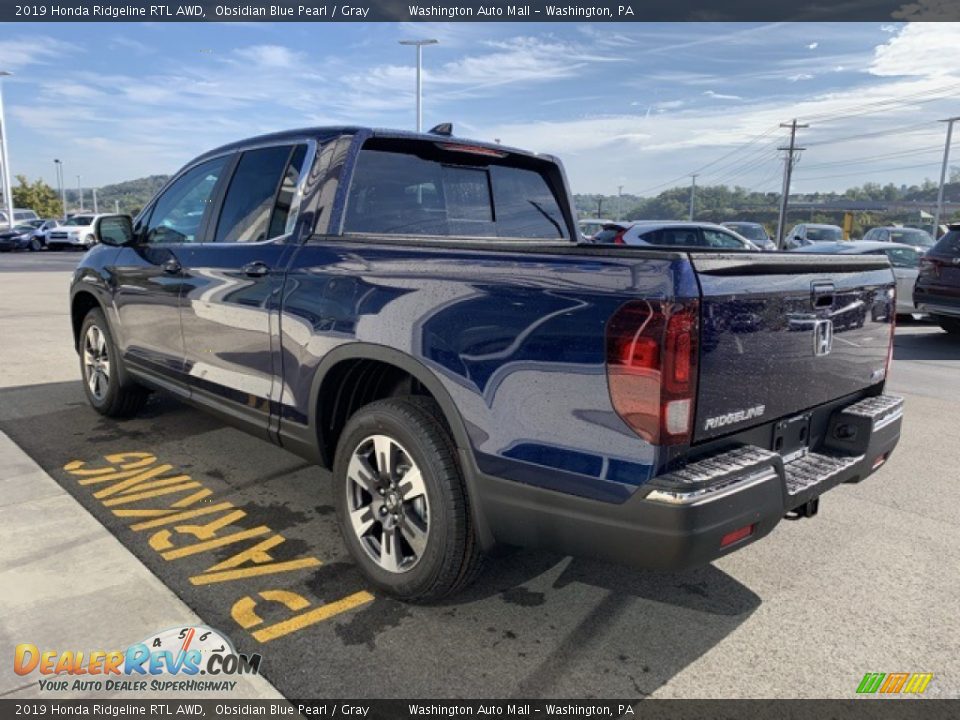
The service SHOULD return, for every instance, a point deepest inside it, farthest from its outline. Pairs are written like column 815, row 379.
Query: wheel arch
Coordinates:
column 355, row 362
column 81, row 303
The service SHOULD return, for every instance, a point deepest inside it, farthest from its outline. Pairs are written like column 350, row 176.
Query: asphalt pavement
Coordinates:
column 869, row 585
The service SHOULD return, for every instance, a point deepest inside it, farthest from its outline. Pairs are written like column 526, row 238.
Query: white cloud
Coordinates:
column 813, row 46
column 721, row 96
column 19, row 52
column 268, row 56
column 800, row 76
column 919, row 49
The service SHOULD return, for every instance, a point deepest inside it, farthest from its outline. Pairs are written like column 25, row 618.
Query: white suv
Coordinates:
column 76, row 233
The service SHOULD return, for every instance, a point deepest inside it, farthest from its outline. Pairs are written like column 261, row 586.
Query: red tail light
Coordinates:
column 652, row 355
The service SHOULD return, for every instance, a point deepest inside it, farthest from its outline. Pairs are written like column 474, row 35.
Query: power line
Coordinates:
column 870, row 108
column 869, row 172
column 872, row 158
column 877, row 133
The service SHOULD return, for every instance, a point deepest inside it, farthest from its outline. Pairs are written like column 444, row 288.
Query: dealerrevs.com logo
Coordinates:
column 894, row 683
column 171, row 660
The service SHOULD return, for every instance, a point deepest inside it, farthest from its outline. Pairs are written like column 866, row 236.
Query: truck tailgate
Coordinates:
column 782, row 333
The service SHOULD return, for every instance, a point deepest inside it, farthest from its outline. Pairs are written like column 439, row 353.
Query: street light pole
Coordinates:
column 693, row 194
column 943, row 176
column 63, row 193
column 419, row 45
column 7, row 186
column 619, row 202
column 79, row 195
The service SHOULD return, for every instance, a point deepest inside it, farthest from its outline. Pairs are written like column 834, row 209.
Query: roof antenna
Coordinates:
column 441, row 129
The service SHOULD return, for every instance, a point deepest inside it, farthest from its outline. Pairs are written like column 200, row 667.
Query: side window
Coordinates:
column 281, row 221
column 178, row 213
column 903, row 257
column 526, row 206
column 249, row 202
column 717, row 239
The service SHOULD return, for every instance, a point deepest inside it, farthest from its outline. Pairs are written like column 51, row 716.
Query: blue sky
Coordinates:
column 637, row 105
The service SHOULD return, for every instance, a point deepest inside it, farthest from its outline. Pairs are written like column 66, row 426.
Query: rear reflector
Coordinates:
column 879, row 461
column 652, row 354
column 731, row 537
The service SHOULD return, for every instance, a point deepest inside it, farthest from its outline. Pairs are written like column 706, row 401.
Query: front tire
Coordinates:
column 108, row 390
column 402, row 504
column 951, row 325
column 35, row 245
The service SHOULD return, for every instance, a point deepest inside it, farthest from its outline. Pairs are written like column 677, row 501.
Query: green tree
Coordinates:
column 37, row 196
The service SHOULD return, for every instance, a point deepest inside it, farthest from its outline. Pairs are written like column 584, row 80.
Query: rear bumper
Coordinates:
column 681, row 520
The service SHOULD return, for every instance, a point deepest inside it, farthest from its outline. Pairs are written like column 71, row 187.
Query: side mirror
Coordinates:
column 115, row 230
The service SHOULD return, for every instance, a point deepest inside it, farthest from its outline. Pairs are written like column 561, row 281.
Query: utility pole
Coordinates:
column 95, row 208
column 788, row 164
column 600, row 207
column 5, row 164
column 619, row 202
column 116, row 207
column 693, row 193
column 943, row 176
column 79, row 195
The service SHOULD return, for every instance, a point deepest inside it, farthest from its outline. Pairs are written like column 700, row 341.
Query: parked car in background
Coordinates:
column 16, row 238
column 76, row 233
column 591, row 226
column 937, row 291
column 754, row 232
column 672, row 233
column 39, row 238
column 914, row 237
column 904, row 259
column 20, row 215
column 809, row 233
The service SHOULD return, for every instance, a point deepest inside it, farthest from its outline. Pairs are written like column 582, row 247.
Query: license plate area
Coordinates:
column 791, row 437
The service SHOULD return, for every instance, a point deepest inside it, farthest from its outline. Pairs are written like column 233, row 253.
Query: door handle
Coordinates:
column 172, row 266
column 256, row 269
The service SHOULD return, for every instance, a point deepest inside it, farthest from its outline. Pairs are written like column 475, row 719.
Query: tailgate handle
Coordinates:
column 821, row 294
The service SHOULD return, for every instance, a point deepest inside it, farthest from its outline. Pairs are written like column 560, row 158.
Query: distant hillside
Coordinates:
column 131, row 195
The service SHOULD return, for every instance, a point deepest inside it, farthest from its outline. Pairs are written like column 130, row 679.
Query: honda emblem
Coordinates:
column 822, row 337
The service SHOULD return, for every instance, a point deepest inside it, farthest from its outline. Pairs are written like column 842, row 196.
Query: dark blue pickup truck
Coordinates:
column 415, row 312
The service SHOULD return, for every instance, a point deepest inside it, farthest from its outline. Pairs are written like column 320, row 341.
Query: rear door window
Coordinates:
column 258, row 199
column 718, row 239
column 450, row 194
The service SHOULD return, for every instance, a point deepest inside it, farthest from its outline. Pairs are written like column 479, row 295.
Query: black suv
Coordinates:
column 937, row 291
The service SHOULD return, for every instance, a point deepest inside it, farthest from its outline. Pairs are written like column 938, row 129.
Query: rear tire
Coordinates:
column 35, row 245
column 951, row 325
column 402, row 505
column 109, row 391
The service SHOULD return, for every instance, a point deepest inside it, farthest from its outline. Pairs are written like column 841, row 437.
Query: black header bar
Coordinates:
column 491, row 11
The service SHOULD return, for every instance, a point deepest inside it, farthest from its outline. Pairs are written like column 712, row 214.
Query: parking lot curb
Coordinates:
column 69, row 584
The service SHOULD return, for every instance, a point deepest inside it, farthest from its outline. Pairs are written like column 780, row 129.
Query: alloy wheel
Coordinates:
column 387, row 503
column 96, row 362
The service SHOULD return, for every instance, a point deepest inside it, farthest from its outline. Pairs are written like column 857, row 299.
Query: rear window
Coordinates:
column 912, row 237
column 824, row 234
column 447, row 193
column 949, row 244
